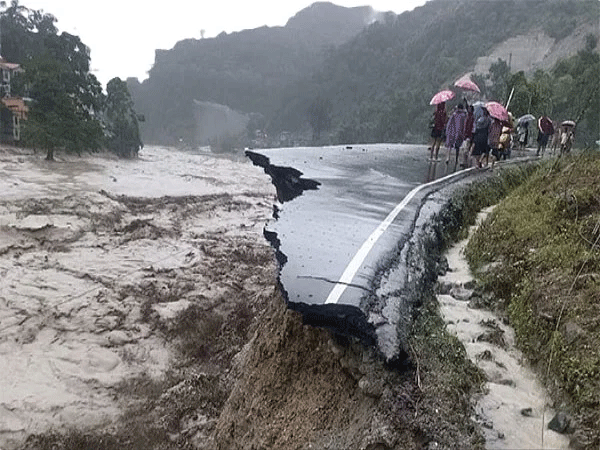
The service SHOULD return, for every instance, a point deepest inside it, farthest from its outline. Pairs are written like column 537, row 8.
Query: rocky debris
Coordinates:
column 494, row 336
column 561, row 423
column 485, row 355
column 527, row 412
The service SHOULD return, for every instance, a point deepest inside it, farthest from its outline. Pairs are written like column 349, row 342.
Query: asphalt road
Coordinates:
column 344, row 212
column 322, row 230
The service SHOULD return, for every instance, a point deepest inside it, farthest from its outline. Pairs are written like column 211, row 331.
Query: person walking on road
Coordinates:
column 469, row 128
column 523, row 134
column 455, row 131
column 437, row 132
column 545, row 130
column 494, row 132
column 480, row 137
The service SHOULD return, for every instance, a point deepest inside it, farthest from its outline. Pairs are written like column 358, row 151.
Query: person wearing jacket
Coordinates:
column 545, row 130
column 437, row 132
column 455, row 131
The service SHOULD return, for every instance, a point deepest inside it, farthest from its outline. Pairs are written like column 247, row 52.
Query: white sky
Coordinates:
column 123, row 34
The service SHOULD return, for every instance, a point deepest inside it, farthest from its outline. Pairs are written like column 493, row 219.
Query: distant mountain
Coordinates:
column 248, row 71
column 370, row 80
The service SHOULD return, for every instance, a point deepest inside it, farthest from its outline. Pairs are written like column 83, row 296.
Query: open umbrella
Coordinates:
column 526, row 118
column 467, row 84
column 497, row 111
column 442, row 96
column 568, row 123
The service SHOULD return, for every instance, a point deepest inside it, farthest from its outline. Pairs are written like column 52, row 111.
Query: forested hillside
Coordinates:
column 375, row 86
column 247, row 71
column 380, row 83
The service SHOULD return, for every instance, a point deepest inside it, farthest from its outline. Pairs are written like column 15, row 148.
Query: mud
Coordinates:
column 115, row 272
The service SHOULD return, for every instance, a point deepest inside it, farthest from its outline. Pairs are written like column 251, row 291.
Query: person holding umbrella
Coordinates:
column 439, row 120
column 566, row 136
column 480, row 137
column 455, row 131
column 523, row 134
column 437, row 132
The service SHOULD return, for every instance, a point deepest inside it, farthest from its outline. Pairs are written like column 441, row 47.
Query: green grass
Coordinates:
column 545, row 240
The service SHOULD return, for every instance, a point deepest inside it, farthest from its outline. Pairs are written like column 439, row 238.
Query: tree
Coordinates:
column 499, row 78
column 319, row 116
column 123, row 134
column 23, row 32
column 66, row 98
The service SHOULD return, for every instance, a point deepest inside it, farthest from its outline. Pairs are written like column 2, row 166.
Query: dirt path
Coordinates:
column 111, row 269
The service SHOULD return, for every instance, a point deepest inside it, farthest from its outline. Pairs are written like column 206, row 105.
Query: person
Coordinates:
column 455, row 131
column 545, row 130
column 494, row 133
column 469, row 127
column 556, row 138
column 523, row 133
column 480, row 137
column 566, row 141
column 506, row 139
column 437, row 132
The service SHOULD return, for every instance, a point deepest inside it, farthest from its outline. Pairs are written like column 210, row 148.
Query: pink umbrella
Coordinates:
column 442, row 96
column 465, row 83
column 497, row 111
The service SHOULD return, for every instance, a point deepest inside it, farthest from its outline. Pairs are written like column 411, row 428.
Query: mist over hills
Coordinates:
column 371, row 79
column 247, row 71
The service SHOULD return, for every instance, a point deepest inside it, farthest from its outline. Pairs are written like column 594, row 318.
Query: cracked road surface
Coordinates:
column 344, row 227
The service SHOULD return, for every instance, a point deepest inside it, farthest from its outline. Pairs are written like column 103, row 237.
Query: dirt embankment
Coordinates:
column 302, row 388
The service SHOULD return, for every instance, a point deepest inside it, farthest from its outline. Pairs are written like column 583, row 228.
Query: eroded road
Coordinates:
column 358, row 207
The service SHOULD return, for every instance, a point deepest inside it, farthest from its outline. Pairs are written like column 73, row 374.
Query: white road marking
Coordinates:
column 363, row 251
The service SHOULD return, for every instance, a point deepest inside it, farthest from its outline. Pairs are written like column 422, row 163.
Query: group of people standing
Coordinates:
column 482, row 134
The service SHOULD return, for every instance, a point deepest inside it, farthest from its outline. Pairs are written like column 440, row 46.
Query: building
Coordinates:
column 13, row 109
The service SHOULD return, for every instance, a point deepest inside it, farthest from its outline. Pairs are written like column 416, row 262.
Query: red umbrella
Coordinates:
column 497, row 111
column 465, row 83
column 442, row 96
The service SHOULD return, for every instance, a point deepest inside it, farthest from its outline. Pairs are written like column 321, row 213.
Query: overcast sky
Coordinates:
column 123, row 34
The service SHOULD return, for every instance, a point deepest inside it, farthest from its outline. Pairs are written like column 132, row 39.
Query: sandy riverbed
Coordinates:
column 98, row 257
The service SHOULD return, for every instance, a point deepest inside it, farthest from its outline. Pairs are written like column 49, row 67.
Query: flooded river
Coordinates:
column 97, row 255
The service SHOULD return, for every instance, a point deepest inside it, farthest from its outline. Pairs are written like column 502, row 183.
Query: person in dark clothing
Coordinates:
column 481, row 148
column 469, row 125
column 437, row 132
column 545, row 130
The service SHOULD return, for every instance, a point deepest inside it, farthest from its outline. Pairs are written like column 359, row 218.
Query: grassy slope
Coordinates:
column 544, row 239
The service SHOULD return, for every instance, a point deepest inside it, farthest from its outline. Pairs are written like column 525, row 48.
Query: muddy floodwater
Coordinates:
column 94, row 253
column 515, row 411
